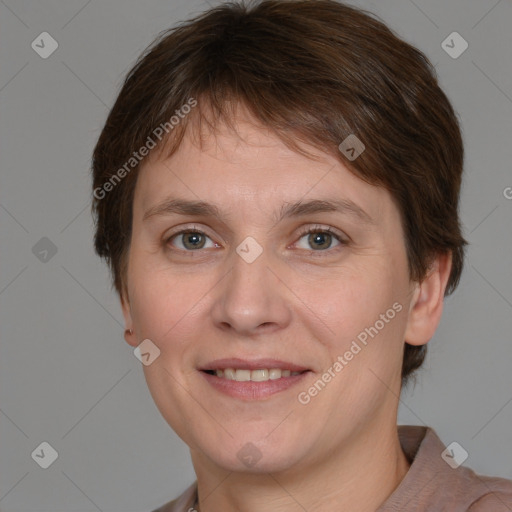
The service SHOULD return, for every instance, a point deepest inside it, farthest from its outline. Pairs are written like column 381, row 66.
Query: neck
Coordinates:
column 359, row 476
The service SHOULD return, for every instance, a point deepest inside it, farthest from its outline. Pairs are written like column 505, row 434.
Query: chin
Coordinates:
column 244, row 456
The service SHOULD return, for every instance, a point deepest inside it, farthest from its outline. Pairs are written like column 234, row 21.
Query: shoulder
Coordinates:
column 497, row 496
column 437, row 480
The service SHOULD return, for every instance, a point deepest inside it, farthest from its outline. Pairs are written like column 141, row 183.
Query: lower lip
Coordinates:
column 250, row 390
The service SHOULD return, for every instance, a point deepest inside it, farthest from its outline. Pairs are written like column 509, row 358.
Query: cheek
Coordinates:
column 153, row 307
column 355, row 299
column 365, row 311
column 157, row 296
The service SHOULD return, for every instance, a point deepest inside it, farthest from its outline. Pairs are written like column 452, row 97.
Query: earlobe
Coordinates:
column 428, row 300
column 128, row 333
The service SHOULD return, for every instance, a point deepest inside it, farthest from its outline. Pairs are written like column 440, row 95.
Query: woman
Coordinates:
column 278, row 203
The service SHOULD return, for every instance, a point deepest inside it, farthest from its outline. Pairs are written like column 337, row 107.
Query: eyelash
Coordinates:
column 302, row 233
column 328, row 230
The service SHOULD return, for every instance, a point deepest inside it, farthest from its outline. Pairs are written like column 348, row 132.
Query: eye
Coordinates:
column 191, row 239
column 321, row 238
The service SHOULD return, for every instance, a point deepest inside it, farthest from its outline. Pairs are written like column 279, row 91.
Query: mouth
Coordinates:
column 252, row 380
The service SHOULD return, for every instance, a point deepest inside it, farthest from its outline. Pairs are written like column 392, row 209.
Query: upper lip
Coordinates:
column 254, row 364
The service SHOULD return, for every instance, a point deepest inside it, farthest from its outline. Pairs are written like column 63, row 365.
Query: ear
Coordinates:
column 131, row 339
column 427, row 302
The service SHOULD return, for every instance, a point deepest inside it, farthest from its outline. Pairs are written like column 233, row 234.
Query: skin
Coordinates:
column 295, row 303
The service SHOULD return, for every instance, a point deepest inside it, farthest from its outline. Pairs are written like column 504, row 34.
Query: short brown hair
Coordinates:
column 312, row 71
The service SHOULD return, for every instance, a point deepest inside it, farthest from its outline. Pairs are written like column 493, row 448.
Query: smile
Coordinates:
column 250, row 380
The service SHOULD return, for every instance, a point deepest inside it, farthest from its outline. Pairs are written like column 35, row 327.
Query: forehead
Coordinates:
column 251, row 169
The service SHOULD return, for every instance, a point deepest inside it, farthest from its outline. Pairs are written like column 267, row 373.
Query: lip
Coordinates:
column 255, row 364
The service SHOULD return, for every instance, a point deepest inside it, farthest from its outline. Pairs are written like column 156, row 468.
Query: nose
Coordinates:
column 251, row 299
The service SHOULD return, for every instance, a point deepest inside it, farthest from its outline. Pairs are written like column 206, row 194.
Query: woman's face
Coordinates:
column 248, row 283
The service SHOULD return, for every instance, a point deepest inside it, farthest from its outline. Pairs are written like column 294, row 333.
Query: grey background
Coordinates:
column 67, row 375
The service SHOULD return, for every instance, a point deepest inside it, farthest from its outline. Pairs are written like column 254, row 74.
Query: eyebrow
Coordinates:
column 288, row 210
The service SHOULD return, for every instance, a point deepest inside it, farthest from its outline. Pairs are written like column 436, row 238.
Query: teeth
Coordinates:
column 275, row 374
column 261, row 375
column 242, row 375
column 229, row 374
